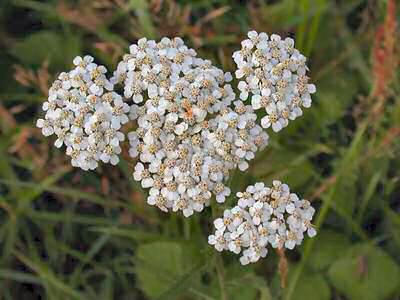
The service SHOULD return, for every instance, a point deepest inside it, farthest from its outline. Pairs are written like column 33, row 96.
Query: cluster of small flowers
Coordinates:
column 274, row 72
column 190, row 130
column 263, row 215
column 85, row 114
column 188, row 136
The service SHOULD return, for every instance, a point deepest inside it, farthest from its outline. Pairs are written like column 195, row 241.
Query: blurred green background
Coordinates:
column 69, row 234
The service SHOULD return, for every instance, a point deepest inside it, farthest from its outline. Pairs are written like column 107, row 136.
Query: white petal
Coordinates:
column 311, row 232
column 265, row 122
column 311, row 88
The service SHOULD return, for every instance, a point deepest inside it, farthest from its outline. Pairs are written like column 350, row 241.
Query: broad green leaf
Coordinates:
column 256, row 288
column 311, row 286
column 328, row 247
column 161, row 266
column 241, row 283
column 365, row 272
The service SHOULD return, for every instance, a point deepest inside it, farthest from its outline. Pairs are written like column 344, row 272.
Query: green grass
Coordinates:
column 69, row 234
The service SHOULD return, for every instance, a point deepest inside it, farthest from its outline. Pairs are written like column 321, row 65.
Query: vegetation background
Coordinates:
column 69, row 234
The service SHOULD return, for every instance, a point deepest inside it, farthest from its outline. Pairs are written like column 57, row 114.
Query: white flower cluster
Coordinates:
column 190, row 129
column 263, row 216
column 274, row 72
column 85, row 114
column 189, row 132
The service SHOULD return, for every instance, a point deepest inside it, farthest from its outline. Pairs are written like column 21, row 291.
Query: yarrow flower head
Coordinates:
column 85, row 114
column 263, row 216
column 190, row 133
column 190, row 130
column 273, row 73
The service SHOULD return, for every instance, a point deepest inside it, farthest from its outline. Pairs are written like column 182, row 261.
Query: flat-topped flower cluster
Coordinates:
column 86, row 115
column 275, row 73
column 263, row 216
column 190, row 131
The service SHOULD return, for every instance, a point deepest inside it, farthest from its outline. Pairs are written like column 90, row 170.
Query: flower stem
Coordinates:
column 221, row 276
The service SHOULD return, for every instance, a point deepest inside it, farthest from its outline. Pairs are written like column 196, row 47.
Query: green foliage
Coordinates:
column 312, row 286
column 365, row 272
column 66, row 234
column 57, row 49
column 329, row 246
column 166, row 267
column 329, row 108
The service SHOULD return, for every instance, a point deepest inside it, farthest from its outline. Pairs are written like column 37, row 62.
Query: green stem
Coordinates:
column 186, row 228
column 221, row 276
